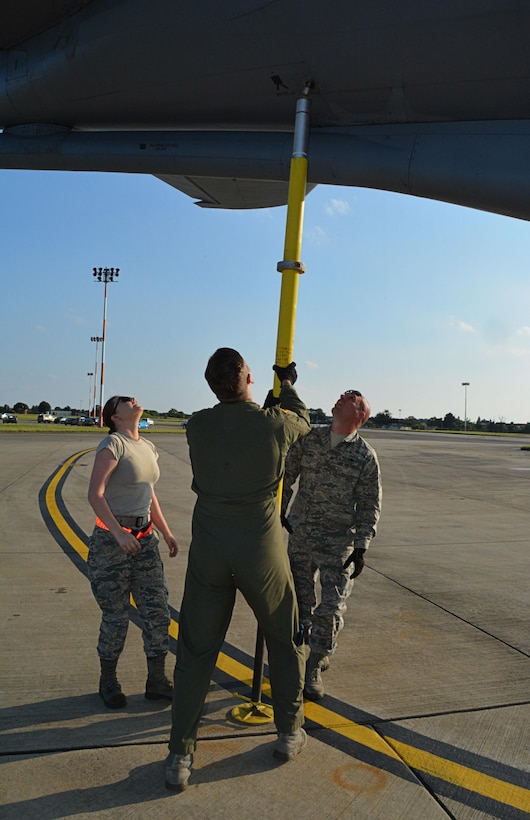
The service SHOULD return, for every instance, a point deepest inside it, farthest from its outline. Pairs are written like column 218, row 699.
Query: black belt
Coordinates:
column 136, row 522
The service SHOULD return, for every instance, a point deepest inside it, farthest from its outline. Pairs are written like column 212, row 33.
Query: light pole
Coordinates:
column 465, row 385
column 97, row 340
column 104, row 275
column 89, row 390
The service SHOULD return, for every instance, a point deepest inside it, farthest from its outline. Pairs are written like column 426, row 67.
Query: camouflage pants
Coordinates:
column 320, row 558
column 114, row 576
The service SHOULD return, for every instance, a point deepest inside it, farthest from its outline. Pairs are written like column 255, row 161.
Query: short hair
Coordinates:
column 366, row 408
column 225, row 374
column 108, row 411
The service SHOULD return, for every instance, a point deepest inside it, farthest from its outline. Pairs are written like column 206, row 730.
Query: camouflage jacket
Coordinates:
column 339, row 488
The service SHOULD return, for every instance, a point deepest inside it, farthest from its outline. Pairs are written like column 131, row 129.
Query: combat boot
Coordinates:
column 109, row 688
column 289, row 745
column 157, row 686
column 178, row 770
column 313, row 686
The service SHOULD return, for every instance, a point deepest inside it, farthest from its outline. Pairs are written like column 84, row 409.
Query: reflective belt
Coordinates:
column 141, row 533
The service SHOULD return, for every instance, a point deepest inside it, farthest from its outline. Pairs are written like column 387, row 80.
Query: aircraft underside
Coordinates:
column 419, row 97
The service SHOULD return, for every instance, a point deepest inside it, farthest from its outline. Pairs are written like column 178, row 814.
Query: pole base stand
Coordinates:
column 252, row 713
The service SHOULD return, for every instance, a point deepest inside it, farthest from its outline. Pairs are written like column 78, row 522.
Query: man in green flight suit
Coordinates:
column 237, row 452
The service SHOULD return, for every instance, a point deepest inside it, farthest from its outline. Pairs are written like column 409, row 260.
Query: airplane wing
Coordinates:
column 422, row 97
column 215, row 192
column 22, row 19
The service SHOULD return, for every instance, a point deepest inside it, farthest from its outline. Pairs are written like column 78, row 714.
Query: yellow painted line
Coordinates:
column 173, row 629
column 364, row 735
column 58, row 518
column 416, row 759
column 238, row 671
column 413, row 758
column 60, row 521
column 469, row 779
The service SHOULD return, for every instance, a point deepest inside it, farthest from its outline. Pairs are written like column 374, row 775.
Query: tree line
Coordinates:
column 21, row 408
column 383, row 420
column 386, row 421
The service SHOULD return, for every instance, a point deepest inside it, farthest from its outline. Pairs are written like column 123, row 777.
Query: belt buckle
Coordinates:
column 139, row 522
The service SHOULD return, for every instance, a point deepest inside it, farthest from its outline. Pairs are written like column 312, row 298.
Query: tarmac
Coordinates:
column 426, row 712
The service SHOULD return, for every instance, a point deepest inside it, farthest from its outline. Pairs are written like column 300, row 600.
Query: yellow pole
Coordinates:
column 290, row 267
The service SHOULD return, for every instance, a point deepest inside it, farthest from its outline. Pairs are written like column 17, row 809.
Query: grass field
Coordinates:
column 28, row 424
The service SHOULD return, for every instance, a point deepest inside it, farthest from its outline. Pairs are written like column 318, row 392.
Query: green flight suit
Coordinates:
column 237, row 452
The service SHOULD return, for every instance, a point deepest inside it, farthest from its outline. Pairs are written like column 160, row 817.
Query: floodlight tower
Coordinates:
column 104, row 275
column 89, row 390
column 465, row 385
column 97, row 340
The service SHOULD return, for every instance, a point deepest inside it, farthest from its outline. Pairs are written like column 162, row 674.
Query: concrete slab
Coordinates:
column 426, row 711
column 232, row 778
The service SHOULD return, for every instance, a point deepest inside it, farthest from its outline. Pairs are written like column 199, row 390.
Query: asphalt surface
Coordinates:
column 426, row 713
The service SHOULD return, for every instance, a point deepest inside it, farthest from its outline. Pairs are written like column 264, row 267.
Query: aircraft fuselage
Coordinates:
column 403, row 94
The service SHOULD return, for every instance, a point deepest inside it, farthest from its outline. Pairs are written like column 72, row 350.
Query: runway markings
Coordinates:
column 446, row 775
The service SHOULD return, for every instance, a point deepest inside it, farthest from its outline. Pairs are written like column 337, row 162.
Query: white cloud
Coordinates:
column 312, row 365
column 317, row 235
column 337, row 207
column 76, row 320
column 519, row 351
column 524, row 331
column 41, row 329
column 463, row 326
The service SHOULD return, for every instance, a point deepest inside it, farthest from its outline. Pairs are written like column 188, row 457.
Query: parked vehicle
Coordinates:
column 45, row 418
column 79, row 421
column 9, row 418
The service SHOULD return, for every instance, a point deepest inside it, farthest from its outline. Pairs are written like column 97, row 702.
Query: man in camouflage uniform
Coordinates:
column 332, row 520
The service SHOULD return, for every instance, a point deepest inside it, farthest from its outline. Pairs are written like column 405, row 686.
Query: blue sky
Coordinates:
column 403, row 298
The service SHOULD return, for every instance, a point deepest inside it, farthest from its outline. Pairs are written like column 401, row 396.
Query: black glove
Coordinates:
column 287, row 372
column 271, row 400
column 285, row 523
column 357, row 559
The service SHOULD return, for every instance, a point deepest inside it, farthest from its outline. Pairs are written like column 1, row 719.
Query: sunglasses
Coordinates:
column 352, row 393
column 119, row 399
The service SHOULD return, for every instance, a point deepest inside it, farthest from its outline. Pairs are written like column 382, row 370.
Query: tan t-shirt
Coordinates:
column 130, row 487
